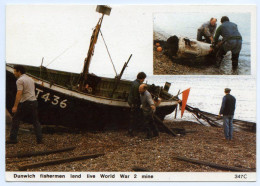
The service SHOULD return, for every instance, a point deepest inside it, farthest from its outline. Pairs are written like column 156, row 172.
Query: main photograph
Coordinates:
column 81, row 96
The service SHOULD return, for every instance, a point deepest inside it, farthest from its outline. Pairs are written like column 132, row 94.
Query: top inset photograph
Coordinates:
column 202, row 43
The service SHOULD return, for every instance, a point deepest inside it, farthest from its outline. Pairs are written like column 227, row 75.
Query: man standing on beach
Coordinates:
column 207, row 30
column 232, row 41
column 134, row 102
column 25, row 105
column 148, row 107
column 227, row 110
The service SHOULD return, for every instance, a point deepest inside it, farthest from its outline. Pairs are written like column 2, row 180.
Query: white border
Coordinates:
column 135, row 176
column 2, row 68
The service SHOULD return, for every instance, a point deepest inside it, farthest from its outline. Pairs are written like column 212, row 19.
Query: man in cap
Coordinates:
column 232, row 41
column 25, row 105
column 135, row 103
column 207, row 30
column 227, row 110
column 148, row 107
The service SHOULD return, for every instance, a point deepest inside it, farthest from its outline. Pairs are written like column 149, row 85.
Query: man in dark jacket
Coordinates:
column 227, row 110
column 232, row 41
column 134, row 102
column 207, row 30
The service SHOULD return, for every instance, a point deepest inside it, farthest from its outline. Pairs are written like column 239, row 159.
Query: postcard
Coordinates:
column 129, row 93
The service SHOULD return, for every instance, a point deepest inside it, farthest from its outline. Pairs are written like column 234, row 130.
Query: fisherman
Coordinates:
column 135, row 103
column 25, row 105
column 232, row 41
column 148, row 107
column 207, row 30
column 227, row 110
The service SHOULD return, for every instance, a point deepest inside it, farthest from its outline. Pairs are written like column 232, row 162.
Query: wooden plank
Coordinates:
column 159, row 121
column 39, row 153
column 52, row 129
column 58, row 161
column 217, row 166
column 140, row 169
column 182, row 131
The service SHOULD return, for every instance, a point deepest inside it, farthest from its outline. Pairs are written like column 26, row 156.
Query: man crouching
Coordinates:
column 148, row 108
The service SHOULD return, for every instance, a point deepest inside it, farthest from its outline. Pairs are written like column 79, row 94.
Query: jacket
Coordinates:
column 134, row 96
column 228, row 31
column 228, row 105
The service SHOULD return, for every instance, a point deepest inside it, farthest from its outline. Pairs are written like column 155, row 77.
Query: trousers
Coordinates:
column 150, row 126
column 234, row 46
column 26, row 109
column 228, row 126
column 135, row 118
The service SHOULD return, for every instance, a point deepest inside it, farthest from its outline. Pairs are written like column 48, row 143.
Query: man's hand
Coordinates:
column 17, row 100
column 157, row 102
column 153, row 107
column 210, row 50
column 14, row 109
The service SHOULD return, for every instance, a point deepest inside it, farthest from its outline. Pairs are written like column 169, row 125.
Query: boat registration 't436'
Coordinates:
column 47, row 97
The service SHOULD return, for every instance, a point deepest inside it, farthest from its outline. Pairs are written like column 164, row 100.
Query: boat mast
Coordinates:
column 103, row 9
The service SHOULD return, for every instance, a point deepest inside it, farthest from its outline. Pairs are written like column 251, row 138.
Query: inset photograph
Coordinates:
column 201, row 43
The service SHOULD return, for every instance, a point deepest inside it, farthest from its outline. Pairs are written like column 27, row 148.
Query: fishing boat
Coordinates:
column 84, row 100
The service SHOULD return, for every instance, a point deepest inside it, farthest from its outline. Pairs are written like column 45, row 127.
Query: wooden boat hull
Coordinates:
column 61, row 106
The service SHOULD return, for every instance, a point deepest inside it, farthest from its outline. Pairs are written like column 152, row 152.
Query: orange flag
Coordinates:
column 185, row 95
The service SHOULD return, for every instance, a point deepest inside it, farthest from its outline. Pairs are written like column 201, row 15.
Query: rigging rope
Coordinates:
column 61, row 53
column 108, row 52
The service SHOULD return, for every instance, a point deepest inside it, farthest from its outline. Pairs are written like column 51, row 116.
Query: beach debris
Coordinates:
column 39, row 153
column 58, row 161
column 140, row 169
column 182, row 131
column 22, row 130
column 159, row 121
column 217, row 166
column 159, row 49
column 54, row 129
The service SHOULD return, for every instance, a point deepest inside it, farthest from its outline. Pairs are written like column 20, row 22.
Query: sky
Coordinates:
column 61, row 35
column 65, row 31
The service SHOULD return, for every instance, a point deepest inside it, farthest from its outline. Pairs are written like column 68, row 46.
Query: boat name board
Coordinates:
column 55, row 100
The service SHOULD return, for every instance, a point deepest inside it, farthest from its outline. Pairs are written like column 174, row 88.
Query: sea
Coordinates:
column 206, row 93
column 186, row 25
